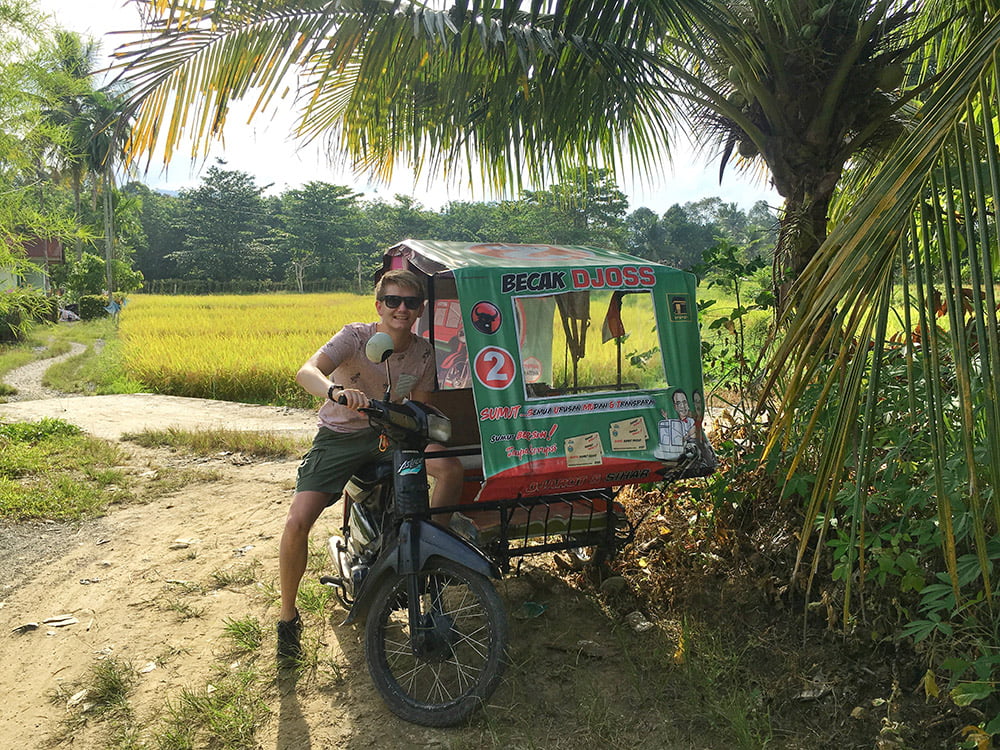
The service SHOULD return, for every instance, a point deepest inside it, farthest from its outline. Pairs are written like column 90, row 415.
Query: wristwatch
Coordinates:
column 329, row 392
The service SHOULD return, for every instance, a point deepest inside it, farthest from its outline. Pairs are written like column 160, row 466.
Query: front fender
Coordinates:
column 417, row 543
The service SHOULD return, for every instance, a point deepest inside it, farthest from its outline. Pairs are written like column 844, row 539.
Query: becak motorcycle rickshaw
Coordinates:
column 550, row 418
column 567, row 373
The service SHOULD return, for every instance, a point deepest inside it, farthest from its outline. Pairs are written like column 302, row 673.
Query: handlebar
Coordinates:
column 407, row 421
column 387, row 415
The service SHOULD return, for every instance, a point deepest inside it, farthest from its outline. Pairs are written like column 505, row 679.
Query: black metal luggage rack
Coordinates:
column 534, row 525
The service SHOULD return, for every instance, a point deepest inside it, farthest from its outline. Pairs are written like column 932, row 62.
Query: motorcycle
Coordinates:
column 548, row 428
column 436, row 629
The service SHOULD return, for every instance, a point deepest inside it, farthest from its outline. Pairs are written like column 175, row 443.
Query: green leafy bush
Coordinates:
column 886, row 531
column 91, row 307
column 87, row 275
column 19, row 308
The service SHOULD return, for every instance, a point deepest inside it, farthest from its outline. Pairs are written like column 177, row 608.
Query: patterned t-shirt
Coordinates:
column 411, row 370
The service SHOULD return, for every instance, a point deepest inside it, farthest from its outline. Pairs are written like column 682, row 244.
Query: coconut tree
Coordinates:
column 916, row 251
column 106, row 125
column 70, row 63
column 802, row 88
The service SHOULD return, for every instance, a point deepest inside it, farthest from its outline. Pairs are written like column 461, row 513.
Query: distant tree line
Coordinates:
column 227, row 235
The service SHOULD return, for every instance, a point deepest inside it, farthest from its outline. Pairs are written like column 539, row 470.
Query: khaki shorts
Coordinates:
column 334, row 458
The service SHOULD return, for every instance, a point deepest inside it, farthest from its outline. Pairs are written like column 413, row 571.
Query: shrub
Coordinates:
column 87, row 276
column 19, row 307
column 92, row 307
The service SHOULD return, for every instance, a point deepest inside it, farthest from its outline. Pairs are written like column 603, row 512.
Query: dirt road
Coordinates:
column 110, row 417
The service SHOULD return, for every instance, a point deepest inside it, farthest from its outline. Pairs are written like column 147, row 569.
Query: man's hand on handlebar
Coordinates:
column 353, row 399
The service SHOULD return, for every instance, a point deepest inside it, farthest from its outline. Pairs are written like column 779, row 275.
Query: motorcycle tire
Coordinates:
column 464, row 652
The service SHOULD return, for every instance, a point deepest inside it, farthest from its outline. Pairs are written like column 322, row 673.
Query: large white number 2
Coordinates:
column 496, row 372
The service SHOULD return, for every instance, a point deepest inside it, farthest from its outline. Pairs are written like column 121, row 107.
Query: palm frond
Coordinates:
column 521, row 92
column 931, row 211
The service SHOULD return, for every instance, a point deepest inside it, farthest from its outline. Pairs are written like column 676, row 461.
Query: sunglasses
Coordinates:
column 392, row 301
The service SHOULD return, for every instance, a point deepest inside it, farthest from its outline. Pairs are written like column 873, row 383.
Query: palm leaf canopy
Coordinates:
column 518, row 91
column 523, row 89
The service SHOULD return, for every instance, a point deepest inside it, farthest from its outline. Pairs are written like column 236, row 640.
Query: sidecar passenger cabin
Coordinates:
column 567, row 371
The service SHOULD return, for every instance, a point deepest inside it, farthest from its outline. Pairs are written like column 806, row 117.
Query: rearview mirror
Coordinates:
column 379, row 348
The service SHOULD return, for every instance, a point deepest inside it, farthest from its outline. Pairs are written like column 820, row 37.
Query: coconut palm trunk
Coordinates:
column 802, row 230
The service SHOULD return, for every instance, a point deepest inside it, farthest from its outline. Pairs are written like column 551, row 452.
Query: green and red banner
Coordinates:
column 584, row 365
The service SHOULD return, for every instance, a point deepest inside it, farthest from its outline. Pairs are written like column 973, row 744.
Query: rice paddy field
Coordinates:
column 232, row 347
column 248, row 347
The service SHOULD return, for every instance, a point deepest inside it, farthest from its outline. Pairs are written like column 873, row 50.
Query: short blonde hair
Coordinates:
column 404, row 278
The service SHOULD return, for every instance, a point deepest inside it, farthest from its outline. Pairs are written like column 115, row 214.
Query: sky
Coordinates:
column 264, row 149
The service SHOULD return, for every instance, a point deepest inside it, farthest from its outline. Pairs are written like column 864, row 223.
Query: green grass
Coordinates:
column 50, row 470
column 718, row 683
column 110, row 683
column 210, row 442
column 246, row 634
column 181, row 609
column 167, row 482
column 44, row 340
column 236, row 576
column 226, row 713
column 96, row 371
column 227, row 717
column 103, row 695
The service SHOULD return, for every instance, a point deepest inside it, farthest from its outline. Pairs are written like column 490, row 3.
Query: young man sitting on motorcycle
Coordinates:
column 345, row 440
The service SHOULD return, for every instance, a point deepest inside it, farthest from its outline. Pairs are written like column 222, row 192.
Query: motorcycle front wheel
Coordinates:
column 454, row 663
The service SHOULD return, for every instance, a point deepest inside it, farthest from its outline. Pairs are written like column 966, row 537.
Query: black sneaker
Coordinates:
column 289, row 647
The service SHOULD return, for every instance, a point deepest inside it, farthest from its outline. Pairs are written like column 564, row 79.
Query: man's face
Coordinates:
column 401, row 318
column 699, row 407
column 681, row 405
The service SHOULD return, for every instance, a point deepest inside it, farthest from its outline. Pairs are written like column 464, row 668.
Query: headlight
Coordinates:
column 438, row 428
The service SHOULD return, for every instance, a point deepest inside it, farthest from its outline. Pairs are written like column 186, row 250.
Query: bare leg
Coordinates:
column 448, row 477
column 293, row 552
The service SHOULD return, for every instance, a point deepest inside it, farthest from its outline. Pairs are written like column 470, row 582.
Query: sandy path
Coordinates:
column 109, row 417
column 28, row 379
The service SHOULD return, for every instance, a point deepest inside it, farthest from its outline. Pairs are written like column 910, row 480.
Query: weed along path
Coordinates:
column 152, row 625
